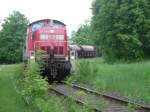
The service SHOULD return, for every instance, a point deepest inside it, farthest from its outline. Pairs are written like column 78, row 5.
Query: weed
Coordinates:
column 100, row 104
column 55, row 105
column 72, row 106
column 133, row 107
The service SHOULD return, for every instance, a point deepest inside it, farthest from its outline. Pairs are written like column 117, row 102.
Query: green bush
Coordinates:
column 84, row 71
column 34, row 88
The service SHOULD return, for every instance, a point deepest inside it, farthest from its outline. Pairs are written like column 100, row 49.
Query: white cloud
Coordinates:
column 71, row 12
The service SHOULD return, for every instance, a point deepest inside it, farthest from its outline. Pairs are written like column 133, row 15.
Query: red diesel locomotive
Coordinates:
column 50, row 36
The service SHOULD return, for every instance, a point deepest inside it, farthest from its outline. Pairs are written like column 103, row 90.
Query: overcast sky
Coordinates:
column 71, row 12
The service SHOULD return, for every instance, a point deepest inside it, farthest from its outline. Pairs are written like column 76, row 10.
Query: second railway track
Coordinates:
column 97, row 101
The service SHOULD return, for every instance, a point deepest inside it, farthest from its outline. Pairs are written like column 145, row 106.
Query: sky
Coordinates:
column 71, row 12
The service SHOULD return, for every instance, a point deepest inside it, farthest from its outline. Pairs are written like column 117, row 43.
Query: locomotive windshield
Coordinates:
column 59, row 37
column 52, row 23
column 45, row 37
column 36, row 26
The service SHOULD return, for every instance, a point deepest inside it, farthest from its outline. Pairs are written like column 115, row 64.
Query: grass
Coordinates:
column 10, row 101
column 131, row 80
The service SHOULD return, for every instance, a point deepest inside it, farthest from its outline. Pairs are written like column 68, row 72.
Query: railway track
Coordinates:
column 98, row 101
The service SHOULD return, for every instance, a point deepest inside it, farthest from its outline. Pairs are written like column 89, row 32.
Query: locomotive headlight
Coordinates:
column 66, row 58
column 52, row 31
column 72, row 57
column 32, row 57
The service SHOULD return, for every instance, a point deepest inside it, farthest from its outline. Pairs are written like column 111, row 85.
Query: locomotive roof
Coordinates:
column 75, row 47
column 54, row 21
column 82, row 47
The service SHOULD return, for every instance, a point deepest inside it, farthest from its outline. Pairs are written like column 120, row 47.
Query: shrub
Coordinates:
column 84, row 71
column 34, row 89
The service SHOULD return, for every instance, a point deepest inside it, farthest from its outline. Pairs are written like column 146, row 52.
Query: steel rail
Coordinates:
column 116, row 98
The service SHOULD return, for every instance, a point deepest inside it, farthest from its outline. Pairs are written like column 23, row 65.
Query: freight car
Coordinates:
column 82, row 51
column 50, row 36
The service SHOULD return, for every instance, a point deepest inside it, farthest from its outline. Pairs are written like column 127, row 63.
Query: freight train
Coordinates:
column 49, row 36
column 82, row 51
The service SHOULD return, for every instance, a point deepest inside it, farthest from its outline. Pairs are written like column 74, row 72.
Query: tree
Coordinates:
column 11, row 37
column 83, row 35
column 122, row 28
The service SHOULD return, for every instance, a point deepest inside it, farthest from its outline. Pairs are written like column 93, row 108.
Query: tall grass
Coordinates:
column 10, row 101
column 132, row 80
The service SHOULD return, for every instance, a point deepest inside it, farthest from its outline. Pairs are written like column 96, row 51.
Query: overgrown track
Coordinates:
column 60, row 91
column 97, row 101
column 124, row 100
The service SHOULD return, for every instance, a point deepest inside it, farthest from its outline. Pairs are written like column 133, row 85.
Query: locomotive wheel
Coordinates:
column 64, row 71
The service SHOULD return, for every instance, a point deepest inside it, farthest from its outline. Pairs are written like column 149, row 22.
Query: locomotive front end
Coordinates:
column 50, row 36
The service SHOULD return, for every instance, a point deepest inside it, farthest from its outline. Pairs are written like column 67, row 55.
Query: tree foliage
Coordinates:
column 11, row 37
column 122, row 28
column 83, row 35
